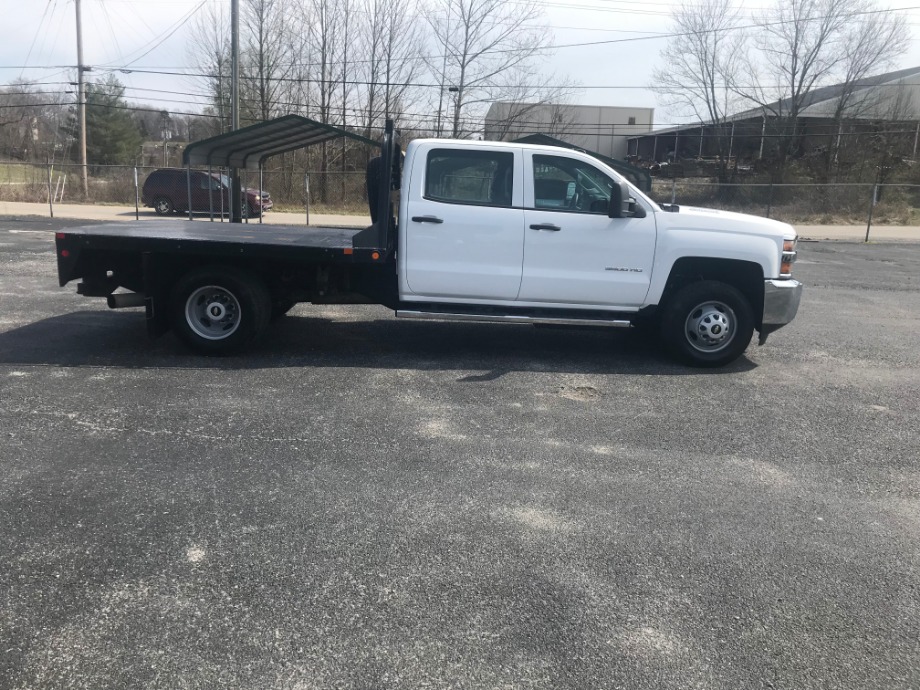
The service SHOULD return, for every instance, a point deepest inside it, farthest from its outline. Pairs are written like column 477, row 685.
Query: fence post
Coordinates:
column 871, row 206
column 261, row 210
column 306, row 194
column 770, row 199
column 211, row 192
column 188, row 187
column 673, row 189
column 50, row 197
column 137, row 206
column 221, row 172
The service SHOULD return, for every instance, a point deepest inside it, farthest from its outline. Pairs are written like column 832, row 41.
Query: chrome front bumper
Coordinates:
column 780, row 304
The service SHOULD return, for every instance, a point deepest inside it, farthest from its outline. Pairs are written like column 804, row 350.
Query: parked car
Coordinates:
column 166, row 191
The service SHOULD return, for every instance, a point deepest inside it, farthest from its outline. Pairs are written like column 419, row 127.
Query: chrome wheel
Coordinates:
column 163, row 206
column 707, row 323
column 212, row 312
column 710, row 326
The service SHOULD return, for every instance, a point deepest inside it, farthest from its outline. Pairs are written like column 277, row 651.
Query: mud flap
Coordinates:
column 157, row 281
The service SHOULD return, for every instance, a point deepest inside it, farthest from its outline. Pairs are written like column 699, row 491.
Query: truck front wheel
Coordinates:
column 220, row 310
column 707, row 324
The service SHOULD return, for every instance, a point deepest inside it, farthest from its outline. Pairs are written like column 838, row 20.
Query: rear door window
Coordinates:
column 483, row 178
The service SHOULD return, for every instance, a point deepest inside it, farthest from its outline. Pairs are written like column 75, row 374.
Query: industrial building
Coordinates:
column 865, row 106
column 603, row 129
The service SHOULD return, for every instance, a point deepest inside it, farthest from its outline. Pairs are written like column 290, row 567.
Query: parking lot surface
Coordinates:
column 365, row 503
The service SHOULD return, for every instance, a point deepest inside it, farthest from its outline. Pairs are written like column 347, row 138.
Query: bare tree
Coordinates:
column 391, row 47
column 326, row 25
column 872, row 44
column 265, row 61
column 879, row 147
column 485, row 46
column 209, row 52
column 805, row 44
column 701, row 61
column 265, row 58
column 30, row 121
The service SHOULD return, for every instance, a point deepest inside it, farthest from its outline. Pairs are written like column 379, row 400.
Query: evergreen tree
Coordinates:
column 112, row 134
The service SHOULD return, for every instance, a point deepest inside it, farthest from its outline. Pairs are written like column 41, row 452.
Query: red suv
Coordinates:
column 166, row 191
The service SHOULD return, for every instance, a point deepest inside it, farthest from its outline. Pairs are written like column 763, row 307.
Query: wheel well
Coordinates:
column 746, row 276
column 281, row 278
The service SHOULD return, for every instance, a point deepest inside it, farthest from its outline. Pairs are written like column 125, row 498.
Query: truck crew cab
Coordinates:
column 466, row 231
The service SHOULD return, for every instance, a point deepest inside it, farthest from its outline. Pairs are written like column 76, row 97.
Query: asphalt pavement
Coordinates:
column 369, row 504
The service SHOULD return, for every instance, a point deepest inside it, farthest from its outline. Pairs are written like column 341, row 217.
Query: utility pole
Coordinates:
column 81, row 101
column 443, row 73
column 236, row 206
column 457, row 93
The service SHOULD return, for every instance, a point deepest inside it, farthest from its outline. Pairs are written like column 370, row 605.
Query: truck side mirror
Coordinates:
column 622, row 205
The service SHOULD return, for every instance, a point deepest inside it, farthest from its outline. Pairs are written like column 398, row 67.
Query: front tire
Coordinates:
column 220, row 310
column 707, row 324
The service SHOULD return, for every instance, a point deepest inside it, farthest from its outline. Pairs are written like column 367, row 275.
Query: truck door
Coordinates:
column 573, row 252
column 464, row 226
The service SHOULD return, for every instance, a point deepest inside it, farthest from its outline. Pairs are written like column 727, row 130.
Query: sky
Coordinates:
column 134, row 37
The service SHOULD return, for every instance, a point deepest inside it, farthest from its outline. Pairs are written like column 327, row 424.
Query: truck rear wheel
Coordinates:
column 219, row 310
column 707, row 324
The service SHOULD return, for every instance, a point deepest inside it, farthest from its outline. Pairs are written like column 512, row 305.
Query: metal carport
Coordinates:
column 249, row 147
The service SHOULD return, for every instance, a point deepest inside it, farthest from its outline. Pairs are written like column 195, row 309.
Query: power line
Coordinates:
column 108, row 20
column 41, row 22
column 159, row 40
column 831, row 129
column 586, row 129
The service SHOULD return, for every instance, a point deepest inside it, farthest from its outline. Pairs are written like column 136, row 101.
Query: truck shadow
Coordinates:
column 102, row 338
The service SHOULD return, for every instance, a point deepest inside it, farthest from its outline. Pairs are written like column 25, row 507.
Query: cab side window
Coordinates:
column 566, row 184
column 483, row 178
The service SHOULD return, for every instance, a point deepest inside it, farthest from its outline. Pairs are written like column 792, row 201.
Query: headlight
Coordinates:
column 788, row 258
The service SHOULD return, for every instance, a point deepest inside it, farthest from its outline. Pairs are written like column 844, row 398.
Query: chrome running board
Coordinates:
column 509, row 318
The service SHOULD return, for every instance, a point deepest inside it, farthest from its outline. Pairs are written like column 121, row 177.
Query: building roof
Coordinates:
column 889, row 96
column 871, row 98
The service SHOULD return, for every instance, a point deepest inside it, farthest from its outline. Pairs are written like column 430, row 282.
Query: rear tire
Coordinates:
column 219, row 310
column 707, row 324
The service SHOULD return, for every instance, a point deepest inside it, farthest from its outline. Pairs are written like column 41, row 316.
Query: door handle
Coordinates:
column 426, row 219
column 543, row 226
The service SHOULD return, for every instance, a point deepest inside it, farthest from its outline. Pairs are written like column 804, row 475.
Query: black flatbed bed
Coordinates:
column 169, row 236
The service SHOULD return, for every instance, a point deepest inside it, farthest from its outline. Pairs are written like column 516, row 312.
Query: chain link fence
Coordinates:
column 291, row 190
column 344, row 192
column 811, row 204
